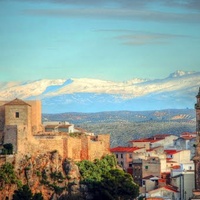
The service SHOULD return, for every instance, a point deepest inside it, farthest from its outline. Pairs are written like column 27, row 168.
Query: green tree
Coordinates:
column 120, row 185
column 8, row 176
column 37, row 196
column 105, row 181
column 23, row 193
column 26, row 194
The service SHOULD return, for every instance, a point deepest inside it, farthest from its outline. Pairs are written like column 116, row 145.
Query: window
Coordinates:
column 122, row 164
column 121, row 155
column 130, row 164
column 116, row 155
column 17, row 115
column 143, row 183
column 130, row 155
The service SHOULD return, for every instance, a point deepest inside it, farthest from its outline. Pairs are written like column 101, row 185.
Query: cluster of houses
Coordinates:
column 161, row 165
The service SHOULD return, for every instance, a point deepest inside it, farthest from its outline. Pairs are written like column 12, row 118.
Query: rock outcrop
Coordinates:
column 48, row 173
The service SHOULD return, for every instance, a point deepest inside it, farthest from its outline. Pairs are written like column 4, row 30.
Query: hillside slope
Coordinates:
column 128, row 125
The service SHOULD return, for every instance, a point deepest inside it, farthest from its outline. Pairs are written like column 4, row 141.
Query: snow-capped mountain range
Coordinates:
column 178, row 90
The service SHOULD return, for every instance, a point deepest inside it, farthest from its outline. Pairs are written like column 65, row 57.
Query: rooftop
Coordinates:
column 151, row 140
column 151, row 177
column 167, row 187
column 58, row 126
column 171, row 151
column 124, row 149
column 17, row 102
column 152, row 149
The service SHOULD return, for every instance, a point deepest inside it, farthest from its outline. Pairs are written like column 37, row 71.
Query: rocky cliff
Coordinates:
column 50, row 175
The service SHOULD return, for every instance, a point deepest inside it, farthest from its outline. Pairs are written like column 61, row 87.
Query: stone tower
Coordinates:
column 197, row 107
column 196, row 158
column 17, row 129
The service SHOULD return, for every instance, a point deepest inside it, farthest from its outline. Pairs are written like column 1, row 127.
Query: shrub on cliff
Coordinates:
column 8, row 176
column 25, row 193
column 93, row 171
column 119, row 185
column 105, row 181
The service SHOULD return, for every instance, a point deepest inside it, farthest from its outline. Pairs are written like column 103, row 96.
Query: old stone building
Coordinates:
column 196, row 159
column 21, row 125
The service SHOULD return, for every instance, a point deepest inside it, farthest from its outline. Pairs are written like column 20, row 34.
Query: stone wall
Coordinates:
column 48, row 144
column 24, row 139
column 10, row 136
column 76, row 148
column 21, row 125
column 6, row 158
column 85, row 147
column 98, row 146
column 24, row 115
column 73, row 148
column 36, row 115
column 105, row 139
column 2, row 115
column 96, row 150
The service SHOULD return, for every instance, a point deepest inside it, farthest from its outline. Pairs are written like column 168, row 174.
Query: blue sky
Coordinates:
column 106, row 39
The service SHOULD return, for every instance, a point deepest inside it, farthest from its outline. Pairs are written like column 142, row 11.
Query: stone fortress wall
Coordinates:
column 21, row 125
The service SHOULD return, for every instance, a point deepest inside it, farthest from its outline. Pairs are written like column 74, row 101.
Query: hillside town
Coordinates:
column 164, row 166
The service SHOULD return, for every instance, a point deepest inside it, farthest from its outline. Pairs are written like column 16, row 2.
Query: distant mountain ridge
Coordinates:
column 170, row 115
column 177, row 91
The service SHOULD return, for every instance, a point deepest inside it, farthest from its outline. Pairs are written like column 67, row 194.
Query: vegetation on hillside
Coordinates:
column 25, row 193
column 8, row 176
column 122, row 132
column 128, row 125
column 117, row 116
column 105, row 181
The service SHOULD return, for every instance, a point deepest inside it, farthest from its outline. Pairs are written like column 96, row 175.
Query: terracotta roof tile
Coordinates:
column 176, row 167
column 167, row 187
column 124, row 149
column 171, row 151
column 151, row 140
column 161, row 136
column 152, row 149
column 188, row 137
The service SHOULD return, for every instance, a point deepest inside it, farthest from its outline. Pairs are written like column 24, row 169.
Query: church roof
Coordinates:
column 17, row 102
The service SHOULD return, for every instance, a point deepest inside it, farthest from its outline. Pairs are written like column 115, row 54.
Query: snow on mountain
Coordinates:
column 179, row 73
column 91, row 95
column 26, row 90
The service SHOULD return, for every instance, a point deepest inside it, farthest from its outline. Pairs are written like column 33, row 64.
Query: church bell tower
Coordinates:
column 197, row 107
column 196, row 158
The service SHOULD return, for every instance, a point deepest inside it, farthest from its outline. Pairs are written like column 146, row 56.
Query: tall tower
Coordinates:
column 17, row 129
column 197, row 107
column 196, row 158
